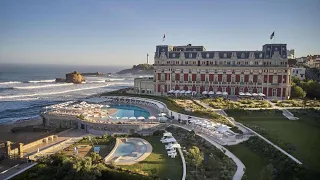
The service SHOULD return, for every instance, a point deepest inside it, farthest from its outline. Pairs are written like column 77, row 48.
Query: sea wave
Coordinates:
column 43, row 81
column 51, row 93
column 15, row 119
column 10, row 82
column 43, row 86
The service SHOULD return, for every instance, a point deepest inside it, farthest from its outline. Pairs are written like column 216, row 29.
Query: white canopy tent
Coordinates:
column 218, row 93
column 261, row 94
column 248, row 94
column 188, row 92
column 166, row 134
column 168, row 140
column 171, row 91
column 182, row 91
column 254, row 94
column 211, row 93
column 141, row 118
column 204, row 92
column 225, row 93
column 241, row 94
column 152, row 117
column 176, row 91
column 132, row 118
column 124, row 117
column 162, row 114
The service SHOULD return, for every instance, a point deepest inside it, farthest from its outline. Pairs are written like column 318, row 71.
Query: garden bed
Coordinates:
column 221, row 103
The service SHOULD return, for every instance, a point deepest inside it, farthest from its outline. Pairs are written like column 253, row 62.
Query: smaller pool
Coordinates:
column 124, row 149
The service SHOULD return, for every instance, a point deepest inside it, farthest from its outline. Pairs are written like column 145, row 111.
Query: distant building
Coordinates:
column 292, row 62
column 298, row 72
column 313, row 61
column 144, row 85
column 290, row 54
column 196, row 69
column 301, row 59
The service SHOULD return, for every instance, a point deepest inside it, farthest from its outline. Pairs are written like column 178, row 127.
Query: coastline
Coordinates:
column 35, row 121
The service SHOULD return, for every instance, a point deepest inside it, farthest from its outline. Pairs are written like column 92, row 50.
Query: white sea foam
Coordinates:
column 44, row 86
column 10, row 82
column 51, row 93
column 43, row 81
column 15, row 119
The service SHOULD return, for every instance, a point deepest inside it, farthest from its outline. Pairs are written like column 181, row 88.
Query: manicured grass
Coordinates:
column 252, row 161
column 302, row 135
column 159, row 160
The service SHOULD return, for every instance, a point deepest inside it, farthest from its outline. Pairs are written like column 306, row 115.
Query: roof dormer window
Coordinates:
column 260, row 55
column 225, row 55
column 173, row 55
column 207, row 55
column 242, row 55
column 190, row 55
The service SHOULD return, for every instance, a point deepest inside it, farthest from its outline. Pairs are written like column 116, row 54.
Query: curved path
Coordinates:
column 240, row 166
column 222, row 112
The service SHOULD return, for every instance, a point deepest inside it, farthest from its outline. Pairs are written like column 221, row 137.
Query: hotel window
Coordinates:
column 224, row 78
column 190, row 78
column 216, row 78
column 186, row 62
column 190, row 55
column 233, row 79
column 259, row 79
column 173, row 55
column 250, row 78
column 259, row 90
column 274, row 92
column 241, row 78
column 207, row 79
column 250, row 89
column 241, row 89
column 275, row 79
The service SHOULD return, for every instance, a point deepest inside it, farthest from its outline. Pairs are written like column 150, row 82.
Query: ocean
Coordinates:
column 25, row 89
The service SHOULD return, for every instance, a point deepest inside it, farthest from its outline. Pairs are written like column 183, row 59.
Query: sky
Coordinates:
column 122, row 32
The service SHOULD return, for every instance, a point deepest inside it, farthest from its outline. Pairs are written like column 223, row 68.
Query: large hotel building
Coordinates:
column 194, row 68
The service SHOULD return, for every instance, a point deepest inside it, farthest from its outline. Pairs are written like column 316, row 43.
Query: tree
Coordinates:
column 267, row 173
column 196, row 156
column 95, row 157
column 297, row 92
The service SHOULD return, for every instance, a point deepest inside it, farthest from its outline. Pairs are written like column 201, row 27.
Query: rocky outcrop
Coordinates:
column 60, row 80
column 138, row 70
column 74, row 77
column 92, row 74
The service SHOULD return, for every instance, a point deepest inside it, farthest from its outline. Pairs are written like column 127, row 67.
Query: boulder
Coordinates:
column 74, row 77
column 58, row 80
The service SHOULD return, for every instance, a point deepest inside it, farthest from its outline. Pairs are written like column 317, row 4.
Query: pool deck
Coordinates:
column 128, row 160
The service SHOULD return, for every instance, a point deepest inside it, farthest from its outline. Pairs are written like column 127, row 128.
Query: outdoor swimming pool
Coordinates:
column 124, row 110
column 124, row 149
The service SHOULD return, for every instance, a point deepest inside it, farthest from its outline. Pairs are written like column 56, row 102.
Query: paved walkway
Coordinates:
column 15, row 170
column 240, row 166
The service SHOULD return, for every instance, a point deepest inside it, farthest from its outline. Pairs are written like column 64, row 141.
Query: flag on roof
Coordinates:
column 164, row 36
column 272, row 35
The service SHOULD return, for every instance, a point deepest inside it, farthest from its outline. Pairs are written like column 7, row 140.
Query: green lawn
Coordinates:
column 303, row 134
column 159, row 160
column 253, row 162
